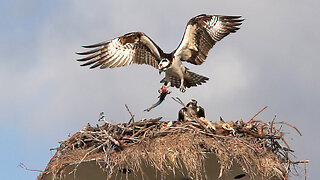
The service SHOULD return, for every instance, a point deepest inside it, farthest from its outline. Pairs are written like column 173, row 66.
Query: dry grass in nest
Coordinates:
column 257, row 146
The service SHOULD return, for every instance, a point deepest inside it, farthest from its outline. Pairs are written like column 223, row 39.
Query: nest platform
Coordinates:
column 256, row 149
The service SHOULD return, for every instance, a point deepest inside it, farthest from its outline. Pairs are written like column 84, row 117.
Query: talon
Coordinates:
column 182, row 89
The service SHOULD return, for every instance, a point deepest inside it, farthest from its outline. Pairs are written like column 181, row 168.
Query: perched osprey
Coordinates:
column 201, row 33
column 191, row 110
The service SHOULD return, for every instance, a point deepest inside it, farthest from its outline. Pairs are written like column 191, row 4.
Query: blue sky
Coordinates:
column 45, row 95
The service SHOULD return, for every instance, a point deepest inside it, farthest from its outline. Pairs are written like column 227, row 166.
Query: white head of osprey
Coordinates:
column 164, row 65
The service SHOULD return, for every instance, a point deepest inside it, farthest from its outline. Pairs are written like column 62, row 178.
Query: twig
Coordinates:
column 178, row 100
column 305, row 166
column 276, row 130
column 132, row 116
column 221, row 120
column 299, row 162
column 257, row 113
column 130, row 139
column 113, row 140
column 143, row 130
column 21, row 165
column 272, row 122
column 281, row 122
column 102, row 117
column 305, row 170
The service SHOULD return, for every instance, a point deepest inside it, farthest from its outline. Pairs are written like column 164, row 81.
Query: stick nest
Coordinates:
column 257, row 146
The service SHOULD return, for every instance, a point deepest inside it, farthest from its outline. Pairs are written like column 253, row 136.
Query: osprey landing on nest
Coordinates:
column 201, row 34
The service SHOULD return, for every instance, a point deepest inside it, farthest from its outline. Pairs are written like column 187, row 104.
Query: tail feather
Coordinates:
column 191, row 79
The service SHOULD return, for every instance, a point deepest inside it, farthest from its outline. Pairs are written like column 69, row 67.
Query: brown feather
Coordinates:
column 130, row 48
column 191, row 80
column 209, row 29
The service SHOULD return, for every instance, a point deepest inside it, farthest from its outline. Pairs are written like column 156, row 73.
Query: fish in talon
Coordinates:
column 163, row 93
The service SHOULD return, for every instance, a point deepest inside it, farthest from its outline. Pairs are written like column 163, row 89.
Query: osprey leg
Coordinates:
column 182, row 88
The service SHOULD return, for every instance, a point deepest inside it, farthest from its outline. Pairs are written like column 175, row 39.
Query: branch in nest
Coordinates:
column 299, row 162
column 23, row 166
column 282, row 122
column 113, row 140
column 257, row 113
column 132, row 116
column 305, row 166
column 178, row 100
column 102, row 117
column 276, row 130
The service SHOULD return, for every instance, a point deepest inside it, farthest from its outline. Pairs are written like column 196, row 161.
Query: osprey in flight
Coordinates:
column 201, row 33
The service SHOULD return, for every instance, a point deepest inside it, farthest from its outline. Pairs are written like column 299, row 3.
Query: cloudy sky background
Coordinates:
column 45, row 95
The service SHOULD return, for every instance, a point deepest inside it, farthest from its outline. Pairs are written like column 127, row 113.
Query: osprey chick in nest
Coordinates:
column 190, row 111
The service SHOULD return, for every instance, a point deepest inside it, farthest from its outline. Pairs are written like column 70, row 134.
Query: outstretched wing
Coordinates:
column 202, row 32
column 130, row 48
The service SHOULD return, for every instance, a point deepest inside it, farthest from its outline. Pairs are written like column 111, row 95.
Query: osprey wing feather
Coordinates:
column 130, row 48
column 201, row 34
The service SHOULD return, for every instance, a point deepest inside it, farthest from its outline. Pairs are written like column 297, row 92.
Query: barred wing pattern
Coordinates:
column 202, row 33
column 130, row 48
column 191, row 79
